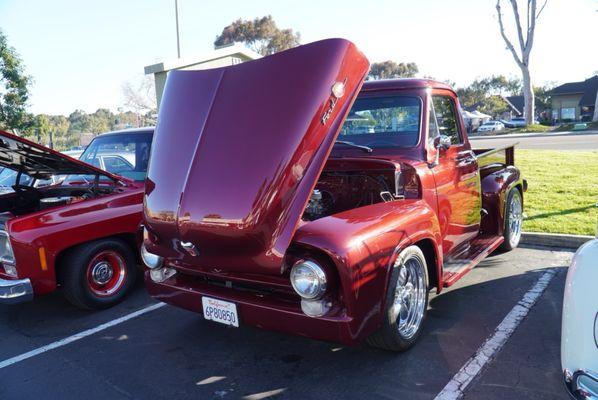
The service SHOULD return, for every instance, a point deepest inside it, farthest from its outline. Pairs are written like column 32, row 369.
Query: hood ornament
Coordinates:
column 190, row 248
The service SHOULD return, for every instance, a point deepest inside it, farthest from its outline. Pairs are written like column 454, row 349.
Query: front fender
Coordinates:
column 60, row 228
column 362, row 243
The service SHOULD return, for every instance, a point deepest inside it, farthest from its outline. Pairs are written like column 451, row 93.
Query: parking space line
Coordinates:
column 77, row 336
column 455, row 388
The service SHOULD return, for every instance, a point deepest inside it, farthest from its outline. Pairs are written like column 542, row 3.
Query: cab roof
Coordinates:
column 147, row 129
column 403, row 83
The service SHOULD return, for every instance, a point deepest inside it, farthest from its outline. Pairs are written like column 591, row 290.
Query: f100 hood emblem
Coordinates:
column 190, row 248
column 338, row 91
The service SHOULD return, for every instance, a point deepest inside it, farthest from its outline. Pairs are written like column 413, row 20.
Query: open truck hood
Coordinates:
column 41, row 162
column 238, row 150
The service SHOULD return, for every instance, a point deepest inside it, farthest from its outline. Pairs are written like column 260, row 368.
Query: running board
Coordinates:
column 479, row 248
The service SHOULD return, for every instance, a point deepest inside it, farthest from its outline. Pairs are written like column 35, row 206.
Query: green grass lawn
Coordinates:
column 534, row 128
column 562, row 191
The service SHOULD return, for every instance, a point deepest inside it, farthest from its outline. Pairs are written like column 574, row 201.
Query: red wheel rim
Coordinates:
column 106, row 273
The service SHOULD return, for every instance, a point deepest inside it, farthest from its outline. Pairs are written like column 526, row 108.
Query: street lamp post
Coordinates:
column 176, row 14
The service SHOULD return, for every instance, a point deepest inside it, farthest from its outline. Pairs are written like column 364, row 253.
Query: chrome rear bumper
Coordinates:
column 582, row 385
column 15, row 291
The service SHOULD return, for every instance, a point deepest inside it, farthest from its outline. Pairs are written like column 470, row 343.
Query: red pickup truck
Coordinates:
column 287, row 194
column 82, row 233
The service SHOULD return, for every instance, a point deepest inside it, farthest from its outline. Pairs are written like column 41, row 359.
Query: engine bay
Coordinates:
column 27, row 199
column 346, row 184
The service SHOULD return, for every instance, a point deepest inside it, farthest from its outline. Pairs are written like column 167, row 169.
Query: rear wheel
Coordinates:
column 406, row 302
column 513, row 220
column 99, row 274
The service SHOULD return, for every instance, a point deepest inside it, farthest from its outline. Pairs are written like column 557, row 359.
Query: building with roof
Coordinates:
column 516, row 104
column 223, row 56
column 575, row 101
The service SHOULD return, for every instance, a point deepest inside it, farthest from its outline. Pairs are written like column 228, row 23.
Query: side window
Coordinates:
column 446, row 118
column 117, row 164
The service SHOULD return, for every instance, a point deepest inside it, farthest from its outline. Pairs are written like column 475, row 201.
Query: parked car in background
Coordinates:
column 73, row 153
column 302, row 221
column 81, row 234
column 491, row 126
column 579, row 333
column 8, row 178
column 517, row 122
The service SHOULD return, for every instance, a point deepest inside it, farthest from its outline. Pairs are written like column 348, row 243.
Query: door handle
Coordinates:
column 464, row 155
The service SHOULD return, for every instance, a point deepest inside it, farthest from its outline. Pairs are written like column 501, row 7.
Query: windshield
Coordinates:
column 383, row 121
column 124, row 154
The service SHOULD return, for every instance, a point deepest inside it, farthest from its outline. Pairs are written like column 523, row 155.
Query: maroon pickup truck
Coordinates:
column 286, row 193
column 82, row 233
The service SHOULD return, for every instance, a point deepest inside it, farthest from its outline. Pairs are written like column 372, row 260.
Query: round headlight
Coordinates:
column 150, row 259
column 308, row 279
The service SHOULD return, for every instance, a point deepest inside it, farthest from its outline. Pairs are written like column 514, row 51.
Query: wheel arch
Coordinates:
column 129, row 239
column 430, row 250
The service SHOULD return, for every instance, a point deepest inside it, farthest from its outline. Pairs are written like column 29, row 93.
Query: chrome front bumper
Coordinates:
column 15, row 291
column 582, row 385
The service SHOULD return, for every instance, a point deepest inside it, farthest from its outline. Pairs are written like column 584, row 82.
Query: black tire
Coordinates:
column 511, row 238
column 389, row 337
column 74, row 274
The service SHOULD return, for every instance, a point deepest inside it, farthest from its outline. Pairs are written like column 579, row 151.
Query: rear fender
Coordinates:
column 495, row 188
column 363, row 244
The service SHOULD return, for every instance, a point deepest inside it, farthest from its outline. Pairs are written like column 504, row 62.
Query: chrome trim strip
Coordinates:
column 15, row 291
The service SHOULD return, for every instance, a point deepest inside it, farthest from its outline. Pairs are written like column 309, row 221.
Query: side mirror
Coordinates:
column 442, row 142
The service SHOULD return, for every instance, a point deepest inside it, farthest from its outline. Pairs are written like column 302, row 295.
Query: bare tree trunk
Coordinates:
column 528, row 96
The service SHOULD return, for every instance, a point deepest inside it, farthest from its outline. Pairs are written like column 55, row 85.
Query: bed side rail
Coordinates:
column 499, row 155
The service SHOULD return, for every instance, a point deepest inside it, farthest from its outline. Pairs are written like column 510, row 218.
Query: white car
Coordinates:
column 579, row 335
column 491, row 126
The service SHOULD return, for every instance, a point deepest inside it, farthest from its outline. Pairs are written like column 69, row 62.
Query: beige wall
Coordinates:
column 160, row 77
column 567, row 101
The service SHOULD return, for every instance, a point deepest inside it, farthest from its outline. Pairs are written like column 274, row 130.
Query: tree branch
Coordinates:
column 518, row 25
column 504, row 36
column 530, row 34
column 528, row 15
column 541, row 9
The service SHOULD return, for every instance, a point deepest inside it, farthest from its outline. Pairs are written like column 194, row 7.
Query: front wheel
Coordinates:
column 98, row 274
column 513, row 220
column 406, row 302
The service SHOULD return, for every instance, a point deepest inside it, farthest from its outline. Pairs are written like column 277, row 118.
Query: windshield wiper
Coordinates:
column 357, row 146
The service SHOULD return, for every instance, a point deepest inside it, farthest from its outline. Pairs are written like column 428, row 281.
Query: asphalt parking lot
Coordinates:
column 169, row 353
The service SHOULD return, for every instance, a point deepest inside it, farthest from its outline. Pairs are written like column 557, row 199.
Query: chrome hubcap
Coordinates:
column 102, row 272
column 410, row 297
column 515, row 220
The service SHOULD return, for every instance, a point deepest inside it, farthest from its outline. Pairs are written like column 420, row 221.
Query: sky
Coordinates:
column 80, row 53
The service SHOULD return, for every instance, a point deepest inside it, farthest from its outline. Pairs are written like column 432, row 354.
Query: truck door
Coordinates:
column 457, row 176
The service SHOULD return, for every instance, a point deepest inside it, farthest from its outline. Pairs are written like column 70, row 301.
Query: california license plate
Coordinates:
column 220, row 311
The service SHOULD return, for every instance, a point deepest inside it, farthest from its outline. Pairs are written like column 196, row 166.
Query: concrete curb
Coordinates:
column 554, row 240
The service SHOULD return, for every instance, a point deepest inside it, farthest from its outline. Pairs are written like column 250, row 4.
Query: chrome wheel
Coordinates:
column 515, row 219
column 106, row 273
column 409, row 303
